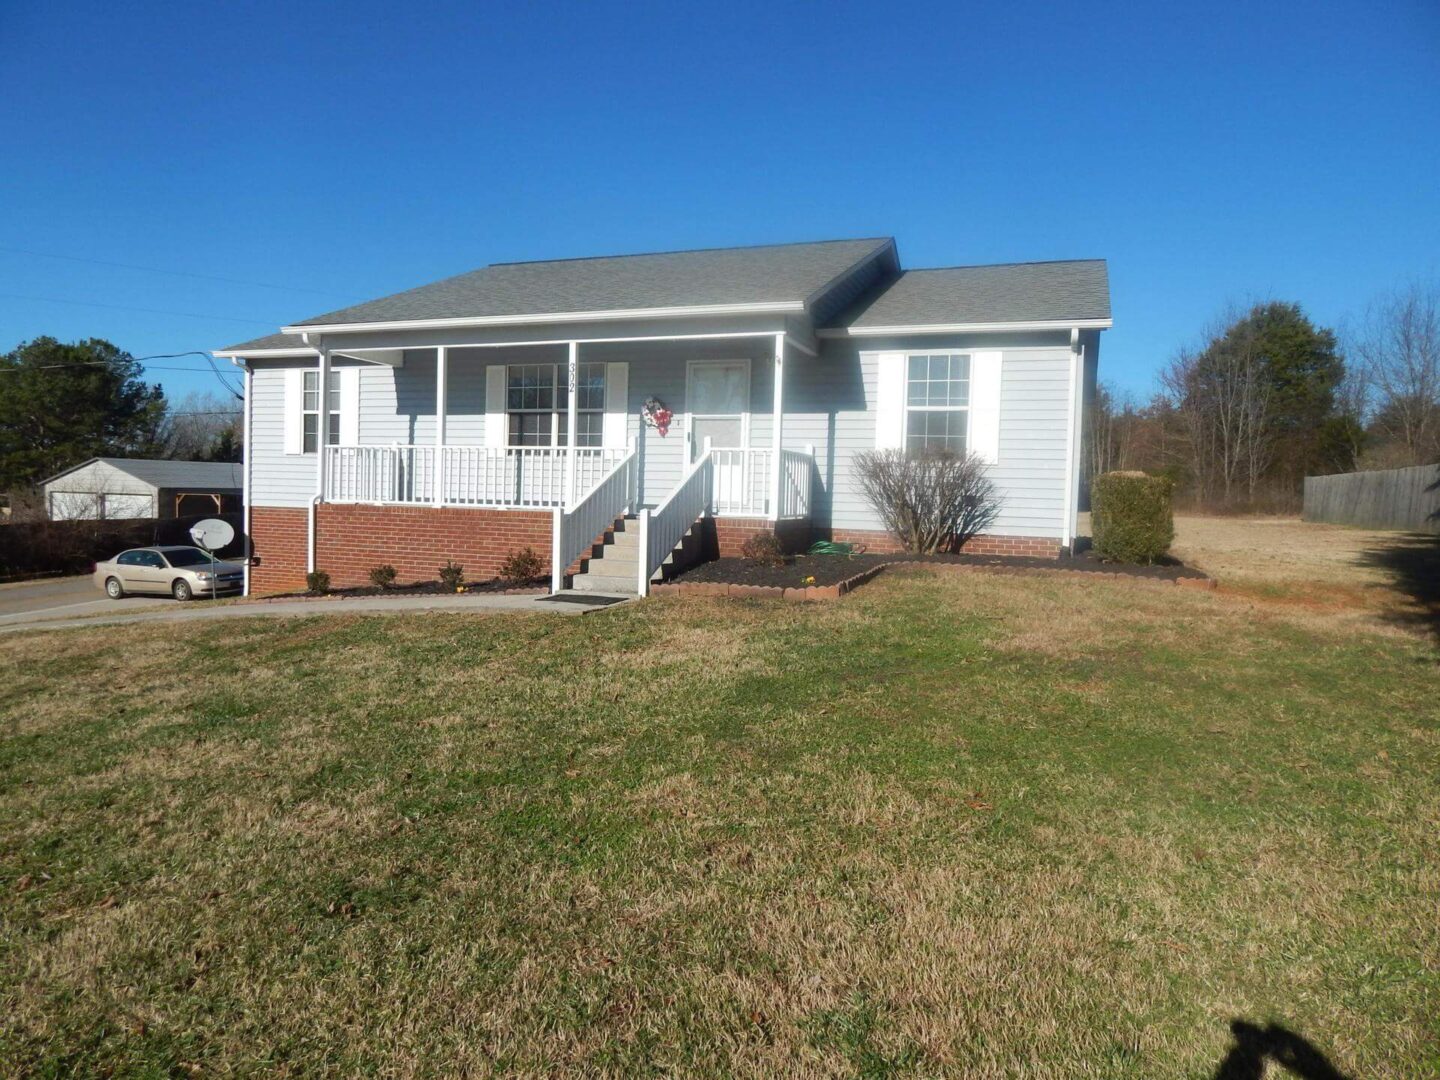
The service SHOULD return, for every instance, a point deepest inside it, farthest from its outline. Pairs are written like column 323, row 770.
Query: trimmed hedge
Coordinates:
column 1130, row 515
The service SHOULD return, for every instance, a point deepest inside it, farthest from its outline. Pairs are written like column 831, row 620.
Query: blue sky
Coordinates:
column 1211, row 153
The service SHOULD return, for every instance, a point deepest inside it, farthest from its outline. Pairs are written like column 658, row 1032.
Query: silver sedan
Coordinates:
column 182, row 572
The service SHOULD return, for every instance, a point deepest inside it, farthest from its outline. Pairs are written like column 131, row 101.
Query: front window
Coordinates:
column 937, row 402
column 311, row 412
column 537, row 400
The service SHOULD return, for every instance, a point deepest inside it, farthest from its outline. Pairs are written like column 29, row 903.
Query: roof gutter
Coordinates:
column 686, row 311
column 964, row 328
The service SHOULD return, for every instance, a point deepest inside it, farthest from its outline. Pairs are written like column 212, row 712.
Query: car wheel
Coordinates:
column 181, row 590
column 114, row 589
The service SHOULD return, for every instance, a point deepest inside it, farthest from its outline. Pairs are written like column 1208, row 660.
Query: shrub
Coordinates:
column 452, row 575
column 521, row 567
column 930, row 500
column 317, row 583
column 764, row 549
column 1130, row 516
column 382, row 577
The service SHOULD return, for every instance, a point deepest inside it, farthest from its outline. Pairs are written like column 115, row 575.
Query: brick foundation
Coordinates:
column 883, row 543
column 278, row 538
column 417, row 540
column 728, row 534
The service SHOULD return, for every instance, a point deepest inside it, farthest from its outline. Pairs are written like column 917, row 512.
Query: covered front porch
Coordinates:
column 667, row 430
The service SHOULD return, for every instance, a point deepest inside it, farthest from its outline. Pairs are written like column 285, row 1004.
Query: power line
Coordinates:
column 173, row 273
column 144, row 311
column 148, row 367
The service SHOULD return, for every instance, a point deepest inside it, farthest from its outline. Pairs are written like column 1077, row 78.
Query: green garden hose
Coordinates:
column 834, row 547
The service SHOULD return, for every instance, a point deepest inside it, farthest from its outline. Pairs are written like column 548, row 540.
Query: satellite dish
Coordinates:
column 212, row 534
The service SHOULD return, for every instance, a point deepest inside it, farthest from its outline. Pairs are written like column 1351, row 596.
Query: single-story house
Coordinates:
column 634, row 398
column 112, row 488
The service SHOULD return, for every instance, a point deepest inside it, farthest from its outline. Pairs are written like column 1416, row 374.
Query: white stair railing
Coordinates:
column 575, row 529
column 796, row 468
column 662, row 529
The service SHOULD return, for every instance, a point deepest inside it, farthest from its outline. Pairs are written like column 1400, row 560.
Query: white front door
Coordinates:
column 717, row 404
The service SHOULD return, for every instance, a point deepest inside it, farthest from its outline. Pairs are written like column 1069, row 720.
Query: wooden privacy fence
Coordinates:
column 1389, row 499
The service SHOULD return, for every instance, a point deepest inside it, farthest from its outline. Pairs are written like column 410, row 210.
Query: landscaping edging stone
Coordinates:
column 834, row 592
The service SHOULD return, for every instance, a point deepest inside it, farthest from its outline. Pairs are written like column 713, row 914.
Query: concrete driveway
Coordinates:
column 27, row 601
column 60, row 603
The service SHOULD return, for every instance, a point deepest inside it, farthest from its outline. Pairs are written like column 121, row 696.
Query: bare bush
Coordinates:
column 930, row 500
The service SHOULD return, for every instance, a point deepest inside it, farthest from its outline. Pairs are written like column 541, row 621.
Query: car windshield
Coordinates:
column 186, row 556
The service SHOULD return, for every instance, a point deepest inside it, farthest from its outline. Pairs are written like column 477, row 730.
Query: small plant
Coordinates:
column 763, row 549
column 521, row 567
column 452, row 576
column 930, row 500
column 382, row 577
column 317, row 583
column 1131, row 517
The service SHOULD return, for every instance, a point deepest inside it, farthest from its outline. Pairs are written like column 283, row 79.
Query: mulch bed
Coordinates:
column 837, row 570
column 417, row 588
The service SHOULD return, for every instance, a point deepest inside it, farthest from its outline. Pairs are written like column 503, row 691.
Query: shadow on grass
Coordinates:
column 1413, row 563
column 1256, row 1047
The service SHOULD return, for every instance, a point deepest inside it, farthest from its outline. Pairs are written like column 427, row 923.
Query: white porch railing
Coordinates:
column 380, row 474
column 743, row 477
column 576, row 529
column 529, row 476
column 662, row 529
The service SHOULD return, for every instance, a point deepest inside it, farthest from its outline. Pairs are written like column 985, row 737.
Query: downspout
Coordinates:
column 245, row 475
column 1067, row 528
column 323, row 392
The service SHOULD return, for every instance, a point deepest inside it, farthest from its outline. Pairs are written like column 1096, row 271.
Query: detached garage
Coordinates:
column 118, row 488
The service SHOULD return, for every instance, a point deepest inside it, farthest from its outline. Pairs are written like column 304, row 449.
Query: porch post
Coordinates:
column 442, row 375
column 572, row 423
column 322, row 424
column 777, row 428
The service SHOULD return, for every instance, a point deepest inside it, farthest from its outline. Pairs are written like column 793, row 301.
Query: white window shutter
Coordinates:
column 294, row 404
column 349, row 406
column 985, row 368
column 889, row 401
column 617, row 409
column 497, row 428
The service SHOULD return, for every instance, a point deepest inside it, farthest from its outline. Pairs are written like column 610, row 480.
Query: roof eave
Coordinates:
column 539, row 318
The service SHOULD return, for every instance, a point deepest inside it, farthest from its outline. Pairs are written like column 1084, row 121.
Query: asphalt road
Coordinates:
column 25, row 601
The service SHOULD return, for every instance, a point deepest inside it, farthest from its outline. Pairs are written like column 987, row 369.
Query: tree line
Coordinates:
column 62, row 404
column 1267, row 398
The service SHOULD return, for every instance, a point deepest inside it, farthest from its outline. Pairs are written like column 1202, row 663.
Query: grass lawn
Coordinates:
column 966, row 824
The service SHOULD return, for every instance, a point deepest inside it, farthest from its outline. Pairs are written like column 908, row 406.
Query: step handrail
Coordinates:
column 662, row 529
column 575, row 529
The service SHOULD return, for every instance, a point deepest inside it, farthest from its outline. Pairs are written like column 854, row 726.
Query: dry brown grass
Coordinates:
column 956, row 824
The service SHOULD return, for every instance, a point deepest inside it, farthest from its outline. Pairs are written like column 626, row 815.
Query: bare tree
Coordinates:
column 1398, row 345
column 203, row 426
column 1222, row 396
column 1112, row 421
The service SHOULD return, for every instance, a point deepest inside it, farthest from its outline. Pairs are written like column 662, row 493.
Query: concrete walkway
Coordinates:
column 201, row 610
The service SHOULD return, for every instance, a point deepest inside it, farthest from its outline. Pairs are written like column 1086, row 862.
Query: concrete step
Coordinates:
column 605, row 583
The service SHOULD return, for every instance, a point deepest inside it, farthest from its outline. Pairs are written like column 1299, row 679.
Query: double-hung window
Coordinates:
column 937, row 402
column 537, row 403
column 310, row 412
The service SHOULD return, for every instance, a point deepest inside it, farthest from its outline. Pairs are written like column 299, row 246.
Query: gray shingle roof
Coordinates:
column 269, row 341
column 767, row 274
column 1003, row 293
column 209, row 475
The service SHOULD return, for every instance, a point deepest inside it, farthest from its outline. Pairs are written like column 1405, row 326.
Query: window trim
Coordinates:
column 333, row 431
column 559, row 416
column 969, row 355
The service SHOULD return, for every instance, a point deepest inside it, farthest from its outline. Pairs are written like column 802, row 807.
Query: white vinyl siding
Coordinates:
column 831, row 402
